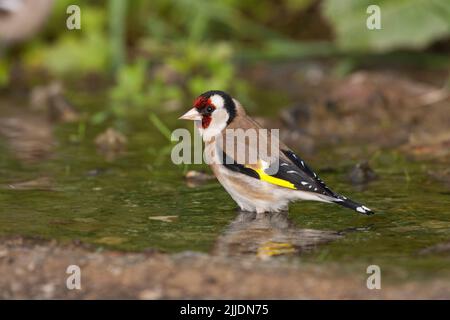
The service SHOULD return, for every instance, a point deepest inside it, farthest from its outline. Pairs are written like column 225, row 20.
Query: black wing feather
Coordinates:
column 307, row 174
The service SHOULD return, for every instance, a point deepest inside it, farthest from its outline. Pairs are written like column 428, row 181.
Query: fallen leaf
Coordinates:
column 164, row 218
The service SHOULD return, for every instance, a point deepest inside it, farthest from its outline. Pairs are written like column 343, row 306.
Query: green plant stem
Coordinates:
column 162, row 128
column 117, row 18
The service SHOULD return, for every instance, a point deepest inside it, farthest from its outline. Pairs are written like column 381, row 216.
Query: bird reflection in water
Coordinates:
column 264, row 235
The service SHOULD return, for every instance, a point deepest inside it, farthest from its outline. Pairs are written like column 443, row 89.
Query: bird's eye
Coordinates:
column 209, row 109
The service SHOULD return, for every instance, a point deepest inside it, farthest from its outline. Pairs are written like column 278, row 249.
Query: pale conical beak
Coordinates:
column 191, row 115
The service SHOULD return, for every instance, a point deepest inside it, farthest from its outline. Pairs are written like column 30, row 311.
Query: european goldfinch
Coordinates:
column 255, row 186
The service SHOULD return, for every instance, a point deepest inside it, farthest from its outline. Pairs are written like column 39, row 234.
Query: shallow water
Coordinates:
column 141, row 201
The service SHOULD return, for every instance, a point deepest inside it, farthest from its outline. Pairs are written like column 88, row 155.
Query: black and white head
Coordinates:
column 212, row 112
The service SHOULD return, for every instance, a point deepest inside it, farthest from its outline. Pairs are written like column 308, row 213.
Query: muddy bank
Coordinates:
column 37, row 269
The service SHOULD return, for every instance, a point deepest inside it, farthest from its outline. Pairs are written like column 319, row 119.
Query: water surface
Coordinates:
column 141, row 201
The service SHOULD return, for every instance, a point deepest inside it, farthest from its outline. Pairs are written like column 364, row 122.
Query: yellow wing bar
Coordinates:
column 277, row 181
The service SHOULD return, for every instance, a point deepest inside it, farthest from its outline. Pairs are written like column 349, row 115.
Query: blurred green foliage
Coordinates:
column 74, row 52
column 405, row 24
column 4, row 71
column 160, row 54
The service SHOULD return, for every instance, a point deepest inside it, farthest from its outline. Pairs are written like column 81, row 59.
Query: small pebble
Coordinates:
column 361, row 173
column 196, row 178
column 150, row 294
